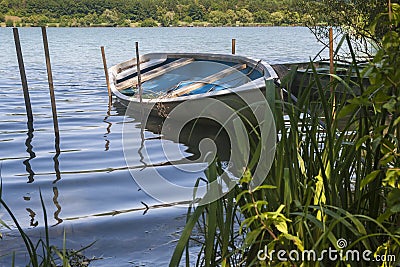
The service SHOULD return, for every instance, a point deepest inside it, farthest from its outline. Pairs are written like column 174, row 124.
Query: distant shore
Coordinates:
column 15, row 21
column 139, row 25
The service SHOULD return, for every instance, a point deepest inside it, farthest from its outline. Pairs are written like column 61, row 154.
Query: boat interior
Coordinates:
column 174, row 77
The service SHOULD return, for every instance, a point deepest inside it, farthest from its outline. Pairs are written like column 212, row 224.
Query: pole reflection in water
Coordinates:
column 32, row 155
column 109, row 124
column 55, row 158
column 142, row 139
column 58, row 211
column 32, row 214
column 108, row 131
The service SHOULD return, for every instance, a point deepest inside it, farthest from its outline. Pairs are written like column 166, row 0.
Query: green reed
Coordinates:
column 335, row 174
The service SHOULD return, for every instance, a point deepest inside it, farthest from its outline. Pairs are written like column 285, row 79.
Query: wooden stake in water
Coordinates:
column 139, row 84
column 331, row 64
column 103, row 55
column 23, row 79
column 50, row 79
column 233, row 46
column 332, row 70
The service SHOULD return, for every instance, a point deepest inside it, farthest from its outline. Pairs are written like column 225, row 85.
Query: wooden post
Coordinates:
column 233, row 46
column 23, row 79
column 331, row 64
column 50, row 79
column 103, row 55
column 138, row 72
column 332, row 71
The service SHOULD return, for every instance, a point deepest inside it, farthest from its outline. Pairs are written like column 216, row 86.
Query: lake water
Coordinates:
column 86, row 185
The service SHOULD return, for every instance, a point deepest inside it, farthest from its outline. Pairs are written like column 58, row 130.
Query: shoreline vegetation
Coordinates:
column 332, row 185
column 18, row 23
column 151, row 13
column 334, row 181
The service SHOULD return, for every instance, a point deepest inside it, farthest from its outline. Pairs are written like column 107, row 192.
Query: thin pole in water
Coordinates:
column 50, row 79
column 331, row 64
column 331, row 69
column 23, row 79
column 103, row 55
column 233, row 46
column 138, row 72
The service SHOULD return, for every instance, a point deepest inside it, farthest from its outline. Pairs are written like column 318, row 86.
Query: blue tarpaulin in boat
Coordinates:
column 204, row 89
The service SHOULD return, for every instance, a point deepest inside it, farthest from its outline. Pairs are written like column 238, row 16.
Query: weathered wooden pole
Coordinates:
column 103, row 55
column 23, row 79
column 50, row 80
column 332, row 71
column 331, row 63
column 233, row 46
column 139, row 83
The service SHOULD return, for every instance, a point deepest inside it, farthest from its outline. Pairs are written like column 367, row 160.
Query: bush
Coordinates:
column 262, row 16
column 2, row 18
column 9, row 23
column 218, row 18
column 188, row 19
column 149, row 23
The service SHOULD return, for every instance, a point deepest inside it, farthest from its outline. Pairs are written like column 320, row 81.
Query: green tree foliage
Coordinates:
column 232, row 16
column 218, row 17
column 196, row 12
column 110, row 17
column 3, row 7
column 262, row 16
column 149, row 23
column 353, row 14
column 165, row 12
column 350, row 16
column 277, row 18
column 166, row 18
column 9, row 23
column 245, row 16
column 37, row 20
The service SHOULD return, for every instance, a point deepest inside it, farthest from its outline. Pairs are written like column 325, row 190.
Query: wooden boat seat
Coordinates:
column 131, row 70
column 154, row 73
column 209, row 79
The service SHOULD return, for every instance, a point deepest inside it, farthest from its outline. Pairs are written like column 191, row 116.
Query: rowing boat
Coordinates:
column 166, row 80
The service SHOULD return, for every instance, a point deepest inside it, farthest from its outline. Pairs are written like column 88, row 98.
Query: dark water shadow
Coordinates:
column 191, row 134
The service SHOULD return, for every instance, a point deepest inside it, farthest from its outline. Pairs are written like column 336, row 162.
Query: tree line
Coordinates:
column 151, row 12
column 353, row 14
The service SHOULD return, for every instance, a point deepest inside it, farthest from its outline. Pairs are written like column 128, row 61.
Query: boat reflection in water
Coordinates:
column 191, row 135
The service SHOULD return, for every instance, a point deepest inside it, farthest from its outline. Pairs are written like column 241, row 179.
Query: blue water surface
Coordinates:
column 84, row 179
